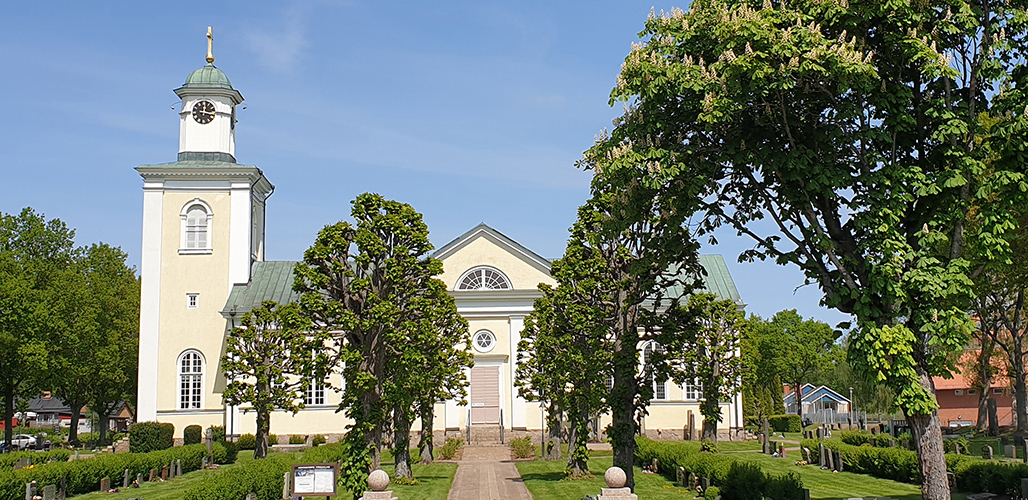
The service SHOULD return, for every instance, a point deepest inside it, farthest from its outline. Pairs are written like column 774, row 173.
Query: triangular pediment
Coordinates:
column 485, row 246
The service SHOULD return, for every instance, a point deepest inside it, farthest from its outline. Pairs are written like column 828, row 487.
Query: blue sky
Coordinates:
column 470, row 111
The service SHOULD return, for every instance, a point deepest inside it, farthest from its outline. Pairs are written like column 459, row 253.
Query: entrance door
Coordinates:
column 485, row 395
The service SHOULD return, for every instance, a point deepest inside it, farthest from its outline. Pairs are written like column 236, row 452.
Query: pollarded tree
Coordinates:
column 427, row 357
column 709, row 355
column 34, row 254
column 270, row 360
column 804, row 348
column 857, row 129
column 357, row 283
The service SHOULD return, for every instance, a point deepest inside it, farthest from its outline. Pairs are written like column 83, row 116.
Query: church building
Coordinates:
column 203, row 267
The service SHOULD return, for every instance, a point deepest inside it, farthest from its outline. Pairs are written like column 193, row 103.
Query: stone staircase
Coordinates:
column 487, row 435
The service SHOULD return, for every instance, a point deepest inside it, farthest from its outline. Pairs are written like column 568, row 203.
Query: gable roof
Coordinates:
column 812, row 394
column 498, row 238
column 269, row 280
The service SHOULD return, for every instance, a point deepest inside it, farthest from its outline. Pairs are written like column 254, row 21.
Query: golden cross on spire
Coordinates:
column 210, row 45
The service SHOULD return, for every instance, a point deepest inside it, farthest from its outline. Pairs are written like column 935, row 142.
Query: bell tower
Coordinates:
column 207, row 118
column 203, row 228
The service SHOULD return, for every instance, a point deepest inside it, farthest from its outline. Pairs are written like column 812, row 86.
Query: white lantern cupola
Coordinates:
column 207, row 130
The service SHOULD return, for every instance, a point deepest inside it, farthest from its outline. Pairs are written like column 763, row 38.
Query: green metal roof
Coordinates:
column 269, row 280
column 208, row 77
column 718, row 280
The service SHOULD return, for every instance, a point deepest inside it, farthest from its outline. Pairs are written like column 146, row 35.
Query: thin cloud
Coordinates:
column 281, row 47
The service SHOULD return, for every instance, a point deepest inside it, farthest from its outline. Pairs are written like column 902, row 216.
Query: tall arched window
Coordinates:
column 659, row 386
column 190, row 380
column 483, row 278
column 196, row 227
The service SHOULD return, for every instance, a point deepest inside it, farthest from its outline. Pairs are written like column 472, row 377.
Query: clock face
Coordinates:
column 203, row 112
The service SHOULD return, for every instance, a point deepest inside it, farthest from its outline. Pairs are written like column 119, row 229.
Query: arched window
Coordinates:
column 483, row 278
column 190, row 380
column 659, row 386
column 196, row 227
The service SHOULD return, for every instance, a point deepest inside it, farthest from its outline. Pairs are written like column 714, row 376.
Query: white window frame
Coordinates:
column 474, row 341
column 192, row 301
column 958, row 392
column 313, row 392
column 208, row 248
column 662, row 385
column 692, row 391
column 193, row 377
column 507, row 285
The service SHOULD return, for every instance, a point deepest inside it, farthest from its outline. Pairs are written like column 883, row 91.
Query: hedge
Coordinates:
column 857, row 438
column 896, row 464
column 263, row 477
column 145, row 437
column 785, row 423
column 247, row 442
column 59, row 455
column 83, row 476
column 323, row 454
column 737, row 480
column 192, row 434
column 988, row 476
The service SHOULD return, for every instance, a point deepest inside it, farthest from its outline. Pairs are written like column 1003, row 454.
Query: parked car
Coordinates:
column 23, row 441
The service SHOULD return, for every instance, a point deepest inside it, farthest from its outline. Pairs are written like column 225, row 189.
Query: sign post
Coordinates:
column 314, row 480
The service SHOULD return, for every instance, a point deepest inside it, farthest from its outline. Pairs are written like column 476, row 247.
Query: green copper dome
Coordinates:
column 208, row 77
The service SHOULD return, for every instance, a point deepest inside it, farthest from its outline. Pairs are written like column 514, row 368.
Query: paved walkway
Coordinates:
column 487, row 473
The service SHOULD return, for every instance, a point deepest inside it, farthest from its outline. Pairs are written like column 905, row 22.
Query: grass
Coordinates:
column 435, row 481
column 825, row 484
column 544, row 479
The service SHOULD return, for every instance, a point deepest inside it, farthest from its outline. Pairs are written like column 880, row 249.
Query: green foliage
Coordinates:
column 522, row 447
column 800, row 348
column 246, row 441
column 318, row 439
column 272, row 439
column 711, row 493
column 84, row 475
column 857, row 438
column 784, row 486
column 145, row 437
column 192, row 434
column 785, row 423
column 708, row 446
column 224, row 452
column 761, row 382
column 324, row 454
column 744, row 481
column 217, row 433
column 263, row 477
column 449, row 449
column 989, row 476
column 297, row 439
column 271, row 332
column 8, row 460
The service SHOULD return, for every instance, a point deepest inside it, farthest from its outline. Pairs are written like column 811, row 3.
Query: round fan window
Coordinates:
column 484, row 341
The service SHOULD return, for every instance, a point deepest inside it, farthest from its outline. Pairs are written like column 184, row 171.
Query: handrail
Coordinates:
column 501, row 426
column 469, row 427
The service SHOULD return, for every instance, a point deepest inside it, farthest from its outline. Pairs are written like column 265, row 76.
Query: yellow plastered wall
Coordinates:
column 483, row 251
column 202, row 328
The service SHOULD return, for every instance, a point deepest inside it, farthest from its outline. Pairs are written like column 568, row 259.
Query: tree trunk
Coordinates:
column 425, row 445
column 623, row 426
column 765, row 427
column 104, row 419
column 985, row 380
column 578, row 453
column 798, row 390
column 401, row 443
column 931, row 457
column 73, row 432
column 553, row 421
column 260, row 448
column 1021, row 393
column 710, row 408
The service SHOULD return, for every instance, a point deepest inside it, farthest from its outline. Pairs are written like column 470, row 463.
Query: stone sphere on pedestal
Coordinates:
column 378, row 480
column 615, row 477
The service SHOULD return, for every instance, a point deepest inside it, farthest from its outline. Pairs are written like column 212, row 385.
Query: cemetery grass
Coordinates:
column 172, row 489
column 545, row 479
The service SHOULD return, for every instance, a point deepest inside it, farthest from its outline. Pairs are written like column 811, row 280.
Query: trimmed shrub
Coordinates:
column 449, row 450
column 145, row 437
column 192, row 434
column 744, row 481
column 263, row 477
column 59, row 455
column 858, row 438
column 785, row 423
column 324, row 454
column 990, row 476
column 784, row 486
column 247, row 442
column 225, row 452
column 272, row 439
column 83, row 476
column 711, row 493
column 522, row 447
column 217, row 433
column 297, row 439
column 318, row 440
column 897, row 464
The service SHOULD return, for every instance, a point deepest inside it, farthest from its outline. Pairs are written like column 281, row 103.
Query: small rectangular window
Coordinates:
column 997, row 391
column 958, row 392
column 192, row 300
column 972, row 391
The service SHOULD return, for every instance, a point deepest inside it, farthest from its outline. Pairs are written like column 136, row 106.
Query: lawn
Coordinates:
column 544, row 480
column 830, row 485
column 435, row 481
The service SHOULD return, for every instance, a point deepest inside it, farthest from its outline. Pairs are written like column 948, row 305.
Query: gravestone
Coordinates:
column 164, row 473
column 704, row 483
column 692, row 426
column 203, row 463
column 892, row 443
column 821, row 455
column 838, row 461
column 139, row 479
column 806, row 455
column 251, row 496
column 50, row 492
column 178, row 463
column 285, row 485
column 692, row 480
column 209, row 440
column 1024, row 487
column 63, row 490
column 987, row 452
column 806, row 494
column 681, row 476
column 830, row 455
column 153, row 475
column 30, row 490
column 820, row 434
column 1009, row 451
column 772, row 448
column 125, row 480
column 105, row 484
